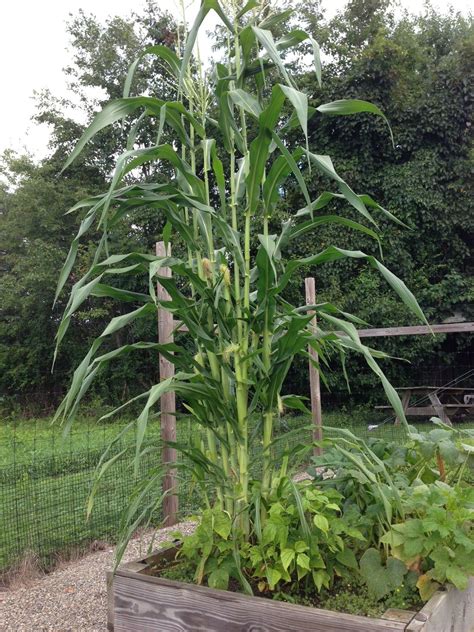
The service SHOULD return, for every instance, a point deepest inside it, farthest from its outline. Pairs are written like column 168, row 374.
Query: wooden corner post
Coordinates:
column 314, row 383
column 168, row 400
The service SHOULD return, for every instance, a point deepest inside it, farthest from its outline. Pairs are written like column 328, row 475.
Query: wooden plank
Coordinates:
column 168, row 400
column 414, row 411
column 438, row 406
column 405, row 401
column 109, row 580
column 152, row 604
column 417, row 330
column 395, row 614
column 423, row 390
column 314, row 383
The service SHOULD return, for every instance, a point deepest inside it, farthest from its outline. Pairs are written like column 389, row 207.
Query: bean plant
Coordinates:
column 229, row 162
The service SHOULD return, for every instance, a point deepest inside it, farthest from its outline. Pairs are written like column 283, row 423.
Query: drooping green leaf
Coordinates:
column 245, row 100
column 265, row 38
column 164, row 53
column 353, row 106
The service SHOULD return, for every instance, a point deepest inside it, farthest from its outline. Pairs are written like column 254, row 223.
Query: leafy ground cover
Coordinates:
column 45, row 481
column 378, row 522
column 345, row 596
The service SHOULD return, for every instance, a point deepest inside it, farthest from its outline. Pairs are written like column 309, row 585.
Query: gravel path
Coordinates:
column 73, row 598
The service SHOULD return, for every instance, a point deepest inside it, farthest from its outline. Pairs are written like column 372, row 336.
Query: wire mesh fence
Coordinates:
column 45, row 479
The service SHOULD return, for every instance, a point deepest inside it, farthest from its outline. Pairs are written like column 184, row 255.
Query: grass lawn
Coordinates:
column 45, row 479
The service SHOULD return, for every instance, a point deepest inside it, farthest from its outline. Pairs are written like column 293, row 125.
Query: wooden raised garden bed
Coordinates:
column 140, row 602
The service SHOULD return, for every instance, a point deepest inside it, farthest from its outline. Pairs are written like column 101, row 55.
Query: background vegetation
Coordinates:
column 417, row 69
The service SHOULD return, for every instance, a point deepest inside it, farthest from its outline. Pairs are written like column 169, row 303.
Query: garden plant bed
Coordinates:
column 139, row 600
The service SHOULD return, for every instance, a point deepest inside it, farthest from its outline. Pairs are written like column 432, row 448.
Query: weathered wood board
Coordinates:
column 449, row 611
column 139, row 602
column 152, row 604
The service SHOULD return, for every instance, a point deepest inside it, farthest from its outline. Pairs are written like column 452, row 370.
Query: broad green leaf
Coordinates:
column 273, row 19
column 457, row 576
column 112, row 112
column 304, row 227
column 154, row 394
column 333, row 254
column 353, row 106
column 294, row 167
column 320, row 579
column 251, row 4
column 293, row 38
column 295, row 402
column 324, row 164
column 259, row 150
column 221, row 524
column 301, row 546
column 301, row 513
column 381, row 579
column 299, row 100
column 273, row 577
column 206, row 6
column 287, row 556
column 79, row 294
column 218, row 579
column 321, row 522
column 401, row 289
column 118, row 322
column 317, row 60
column 164, row 53
column 347, row 558
column 245, row 100
column 279, row 171
column 302, row 560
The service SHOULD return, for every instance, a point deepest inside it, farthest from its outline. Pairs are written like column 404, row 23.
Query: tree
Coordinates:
column 417, row 70
column 35, row 233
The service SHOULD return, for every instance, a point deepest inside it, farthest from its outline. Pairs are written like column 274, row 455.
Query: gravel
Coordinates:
column 74, row 597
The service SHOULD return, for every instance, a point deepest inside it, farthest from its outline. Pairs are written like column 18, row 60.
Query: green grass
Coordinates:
column 45, row 480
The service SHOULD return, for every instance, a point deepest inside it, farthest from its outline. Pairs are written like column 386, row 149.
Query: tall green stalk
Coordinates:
column 229, row 145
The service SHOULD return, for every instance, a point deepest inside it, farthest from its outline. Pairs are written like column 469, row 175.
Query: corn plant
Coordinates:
column 229, row 162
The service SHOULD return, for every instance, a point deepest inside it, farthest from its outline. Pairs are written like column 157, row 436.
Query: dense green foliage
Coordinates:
column 394, row 516
column 417, row 69
column 35, row 233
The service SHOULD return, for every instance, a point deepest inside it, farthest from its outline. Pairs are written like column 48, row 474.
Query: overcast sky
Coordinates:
column 33, row 51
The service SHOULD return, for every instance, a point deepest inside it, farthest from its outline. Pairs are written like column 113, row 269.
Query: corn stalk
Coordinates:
column 245, row 335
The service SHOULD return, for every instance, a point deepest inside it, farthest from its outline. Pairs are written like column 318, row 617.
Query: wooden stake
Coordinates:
column 314, row 383
column 168, row 400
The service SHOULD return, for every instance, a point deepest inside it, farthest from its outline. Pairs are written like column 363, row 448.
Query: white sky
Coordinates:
column 33, row 51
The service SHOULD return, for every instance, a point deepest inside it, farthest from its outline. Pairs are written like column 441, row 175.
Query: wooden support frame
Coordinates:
column 314, row 382
column 168, row 400
column 417, row 330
